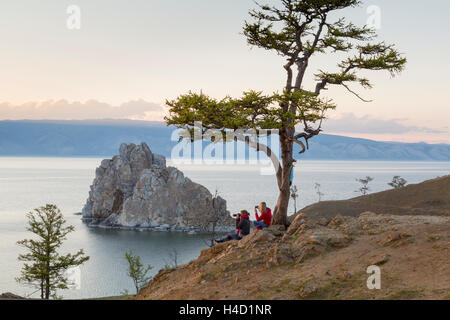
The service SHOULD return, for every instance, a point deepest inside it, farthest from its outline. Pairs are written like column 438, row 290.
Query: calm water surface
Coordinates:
column 27, row 183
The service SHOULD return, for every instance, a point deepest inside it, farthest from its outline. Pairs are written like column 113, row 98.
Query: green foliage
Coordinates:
column 136, row 271
column 44, row 267
column 398, row 182
column 252, row 111
column 284, row 29
column 364, row 185
column 296, row 30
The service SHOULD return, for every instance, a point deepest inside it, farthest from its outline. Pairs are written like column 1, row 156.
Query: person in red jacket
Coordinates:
column 265, row 219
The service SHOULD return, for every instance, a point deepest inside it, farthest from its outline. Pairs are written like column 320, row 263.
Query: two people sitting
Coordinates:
column 263, row 220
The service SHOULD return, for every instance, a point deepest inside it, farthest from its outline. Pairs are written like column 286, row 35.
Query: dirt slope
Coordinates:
column 325, row 256
column 10, row 296
column 431, row 197
column 314, row 261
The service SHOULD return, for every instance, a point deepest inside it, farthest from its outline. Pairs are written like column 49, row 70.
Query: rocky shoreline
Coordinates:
column 92, row 223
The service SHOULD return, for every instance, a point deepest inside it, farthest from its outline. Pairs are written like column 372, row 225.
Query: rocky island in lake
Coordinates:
column 136, row 190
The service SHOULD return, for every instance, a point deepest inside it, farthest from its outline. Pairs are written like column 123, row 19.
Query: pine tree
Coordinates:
column 364, row 185
column 398, row 182
column 136, row 271
column 298, row 31
column 44, row 267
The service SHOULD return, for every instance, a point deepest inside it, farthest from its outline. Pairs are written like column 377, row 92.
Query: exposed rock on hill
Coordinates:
column 135, row 189
column 326, row 256
column 312, row 260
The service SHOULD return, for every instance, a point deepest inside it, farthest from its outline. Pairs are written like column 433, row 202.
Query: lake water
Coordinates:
column 27, row 183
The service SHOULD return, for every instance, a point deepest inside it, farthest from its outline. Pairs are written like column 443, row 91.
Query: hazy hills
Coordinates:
column 103, row 137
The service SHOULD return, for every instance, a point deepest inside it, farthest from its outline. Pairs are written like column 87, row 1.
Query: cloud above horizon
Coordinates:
column 347, row 124
column 89, row 110
column 350, row 123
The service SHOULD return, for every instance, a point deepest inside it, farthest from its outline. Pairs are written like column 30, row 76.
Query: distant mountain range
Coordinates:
column 102, row 138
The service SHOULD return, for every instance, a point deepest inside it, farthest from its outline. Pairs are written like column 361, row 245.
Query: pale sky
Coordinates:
column 129, row 56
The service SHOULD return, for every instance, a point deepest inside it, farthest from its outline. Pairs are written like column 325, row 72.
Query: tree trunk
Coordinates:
column 47, row 272
column 280, row 213
column 42, row 288
column 281, row 209
column 47, row 287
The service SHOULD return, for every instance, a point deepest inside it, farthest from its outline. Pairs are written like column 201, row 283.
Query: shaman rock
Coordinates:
column 135, row 189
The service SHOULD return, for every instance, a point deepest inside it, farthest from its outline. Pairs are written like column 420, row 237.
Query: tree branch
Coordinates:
column 353, row 92
column 262, row 147
column 302, row 64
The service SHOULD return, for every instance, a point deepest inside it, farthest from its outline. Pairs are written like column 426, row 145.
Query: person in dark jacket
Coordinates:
column 242, row 227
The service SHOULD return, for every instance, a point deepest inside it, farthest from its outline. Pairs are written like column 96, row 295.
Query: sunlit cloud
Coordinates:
column 91, row 109
column 348, row 122
column 374, row 128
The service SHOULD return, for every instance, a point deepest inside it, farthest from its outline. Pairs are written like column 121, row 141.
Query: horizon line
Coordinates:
column 164, row 125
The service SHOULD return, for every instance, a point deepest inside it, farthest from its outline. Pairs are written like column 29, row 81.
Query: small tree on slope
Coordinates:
column 136, row 271
column 364, row 189
column 298, row 31
column 398, row 182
